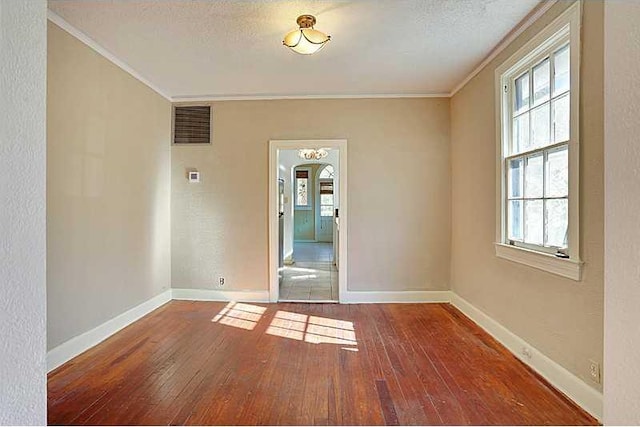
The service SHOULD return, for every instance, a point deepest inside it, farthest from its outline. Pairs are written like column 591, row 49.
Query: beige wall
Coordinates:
column 108, row 190
column 560, row 317
column 622, row 175
column 399, row 192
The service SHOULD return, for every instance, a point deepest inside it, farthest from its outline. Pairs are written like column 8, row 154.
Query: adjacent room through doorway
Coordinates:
column 308, row 228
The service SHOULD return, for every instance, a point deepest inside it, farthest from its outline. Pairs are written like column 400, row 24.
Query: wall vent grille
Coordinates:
column 192, row 125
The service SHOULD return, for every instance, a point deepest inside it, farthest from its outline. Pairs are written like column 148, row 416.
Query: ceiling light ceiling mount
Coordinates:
column 305, row 40
column 306, row 21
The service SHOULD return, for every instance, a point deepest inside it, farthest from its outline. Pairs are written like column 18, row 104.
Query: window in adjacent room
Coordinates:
column 538, row 164
column 302, row 188
column 326, row 191
column 327, row 172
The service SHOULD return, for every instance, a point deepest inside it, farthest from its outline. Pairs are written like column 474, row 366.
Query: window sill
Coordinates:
column 564, row 267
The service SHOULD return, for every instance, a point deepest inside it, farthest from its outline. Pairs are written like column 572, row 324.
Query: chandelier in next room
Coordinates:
column 313, row 153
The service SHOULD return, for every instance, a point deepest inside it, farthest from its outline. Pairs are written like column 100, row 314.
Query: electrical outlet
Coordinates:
column 526, row 352
column 594, row 371
column 221, row 282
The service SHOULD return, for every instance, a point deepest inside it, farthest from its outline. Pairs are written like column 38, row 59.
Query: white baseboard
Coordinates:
column 364, row 297
column 220, row 295
column 573, row 387
column 77, row 345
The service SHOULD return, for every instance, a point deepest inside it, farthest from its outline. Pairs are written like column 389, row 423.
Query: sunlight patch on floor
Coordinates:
column 312, row 329
column 286, row 324
column 332, row 323
column 240, row 315
column 298, row 269
column 305, row 277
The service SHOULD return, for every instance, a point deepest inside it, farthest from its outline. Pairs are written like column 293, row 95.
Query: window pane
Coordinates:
column 557, row 222
column 326, row 210
column 301, row 192
column 561, row 73
column 515, row 178
column 557, row 182
column 533, row 229
column 327, row 172
column 514, row 218
column 521, row 102
column 534, row 176
column 541, row 82
column 520, row 134
column 326, row 199
column 540, row 126
column 561, row 115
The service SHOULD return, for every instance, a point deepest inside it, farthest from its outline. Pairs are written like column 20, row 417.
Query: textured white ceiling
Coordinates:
column 194, row 48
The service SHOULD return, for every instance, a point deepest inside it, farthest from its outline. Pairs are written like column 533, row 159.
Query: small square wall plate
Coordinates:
column 194, row 176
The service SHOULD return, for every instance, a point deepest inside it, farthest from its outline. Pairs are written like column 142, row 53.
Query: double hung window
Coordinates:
column 538, row 99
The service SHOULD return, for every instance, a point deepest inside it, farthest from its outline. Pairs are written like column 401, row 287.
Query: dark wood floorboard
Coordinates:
column 210, row 363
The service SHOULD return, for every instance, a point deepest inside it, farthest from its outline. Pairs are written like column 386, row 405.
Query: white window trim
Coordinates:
column 568, row 22
column 308, row 206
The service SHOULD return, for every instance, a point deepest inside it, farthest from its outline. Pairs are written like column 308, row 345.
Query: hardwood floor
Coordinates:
column 303, row 364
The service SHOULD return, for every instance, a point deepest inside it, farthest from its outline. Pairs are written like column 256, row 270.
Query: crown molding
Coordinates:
column 84, row 38
column 213, row 98
column 528, row 20
column 66, row 26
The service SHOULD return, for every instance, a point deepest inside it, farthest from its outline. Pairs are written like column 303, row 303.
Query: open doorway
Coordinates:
column 307, row 230
column 309, row 273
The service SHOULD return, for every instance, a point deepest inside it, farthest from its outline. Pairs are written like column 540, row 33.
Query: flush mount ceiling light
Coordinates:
column 312, row 153
column 305, row 40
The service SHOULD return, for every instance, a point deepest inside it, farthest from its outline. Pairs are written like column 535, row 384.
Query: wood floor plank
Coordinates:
column 448, row 408
column 211, row 363
column 388, row 408
column 416, row 406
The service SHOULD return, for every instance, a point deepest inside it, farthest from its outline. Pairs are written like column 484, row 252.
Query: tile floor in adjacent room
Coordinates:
column 314, row 281
column 313, row 251
column 312, row 276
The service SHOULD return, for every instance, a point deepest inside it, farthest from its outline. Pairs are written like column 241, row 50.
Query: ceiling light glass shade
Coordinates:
column 312, row 153
column 305, row 40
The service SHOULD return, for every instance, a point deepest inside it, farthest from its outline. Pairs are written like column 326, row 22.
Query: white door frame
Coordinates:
column 274, row 147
